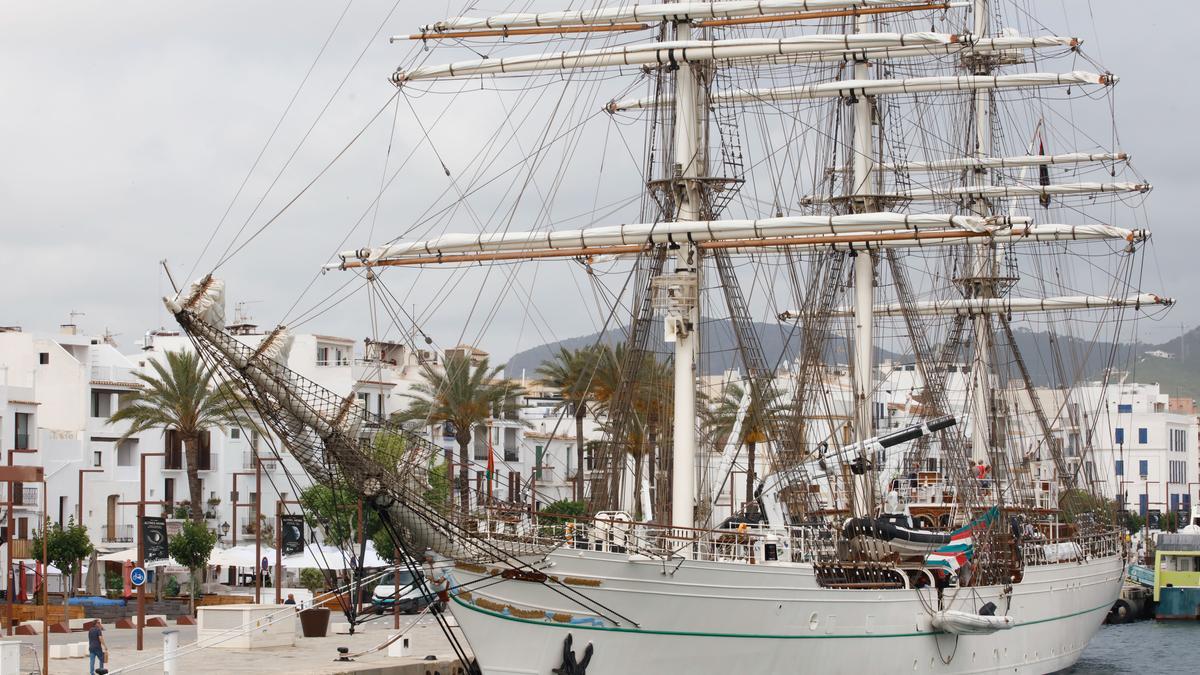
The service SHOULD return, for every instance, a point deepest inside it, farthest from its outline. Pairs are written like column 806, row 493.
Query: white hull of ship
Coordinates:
column 706, row 617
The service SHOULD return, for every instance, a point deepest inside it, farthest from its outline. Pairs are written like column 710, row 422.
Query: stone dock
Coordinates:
column 429, row 652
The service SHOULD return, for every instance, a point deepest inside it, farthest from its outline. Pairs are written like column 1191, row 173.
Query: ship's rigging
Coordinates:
column 873, row 157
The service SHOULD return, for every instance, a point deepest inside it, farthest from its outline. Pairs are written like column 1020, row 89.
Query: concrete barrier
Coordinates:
column 60, row 651
column 79, row 650
column 247, row 626
column 10, row 657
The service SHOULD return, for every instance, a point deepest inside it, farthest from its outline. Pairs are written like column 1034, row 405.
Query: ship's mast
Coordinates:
column 980, row 281
column 864, row 286
column 683, row 314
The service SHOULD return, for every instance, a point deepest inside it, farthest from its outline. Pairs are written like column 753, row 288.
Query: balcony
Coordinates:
column 115, row 375
column 27, row 497
column 268, row 464
column 117, row 534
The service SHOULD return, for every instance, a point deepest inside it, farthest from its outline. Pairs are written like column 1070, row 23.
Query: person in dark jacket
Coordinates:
column 97, row 648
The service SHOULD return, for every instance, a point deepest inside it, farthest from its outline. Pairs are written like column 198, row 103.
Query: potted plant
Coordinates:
column 213, row 503
column 314, row 621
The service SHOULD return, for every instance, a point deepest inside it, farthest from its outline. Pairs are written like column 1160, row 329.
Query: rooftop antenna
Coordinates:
column 240, row 313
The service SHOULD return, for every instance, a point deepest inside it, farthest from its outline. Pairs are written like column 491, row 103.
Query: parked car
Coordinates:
column 414, row 594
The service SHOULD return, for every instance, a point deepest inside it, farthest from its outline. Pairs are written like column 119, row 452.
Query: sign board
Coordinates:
column 292, row 534
column 154, row 538
column 137, row 576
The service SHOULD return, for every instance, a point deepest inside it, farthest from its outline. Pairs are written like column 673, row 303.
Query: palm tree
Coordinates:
column 721, row 418
column 464, row 394
column 182, row 395
column 651, row 404
column 572, row 372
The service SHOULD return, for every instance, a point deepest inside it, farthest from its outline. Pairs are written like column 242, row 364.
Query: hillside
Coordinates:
column 1179, row 375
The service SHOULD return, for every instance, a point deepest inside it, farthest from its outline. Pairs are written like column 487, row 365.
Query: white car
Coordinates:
column 415, row 593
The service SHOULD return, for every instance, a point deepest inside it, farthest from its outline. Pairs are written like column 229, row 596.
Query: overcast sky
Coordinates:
column 127, row 127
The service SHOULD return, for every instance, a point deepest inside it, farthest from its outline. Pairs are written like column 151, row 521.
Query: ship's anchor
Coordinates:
column 569, row 665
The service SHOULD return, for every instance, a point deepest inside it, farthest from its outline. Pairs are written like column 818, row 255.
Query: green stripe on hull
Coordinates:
column 752, row 636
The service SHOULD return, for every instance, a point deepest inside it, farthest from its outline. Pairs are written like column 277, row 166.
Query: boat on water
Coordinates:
column 887, row 161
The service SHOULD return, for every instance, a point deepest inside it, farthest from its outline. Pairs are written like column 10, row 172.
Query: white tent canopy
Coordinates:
column 242, row 555
column 327, row 556
column 131, row 555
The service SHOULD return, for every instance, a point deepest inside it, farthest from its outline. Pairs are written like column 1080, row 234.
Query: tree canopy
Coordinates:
column 66, row 546
column 192, row 548
column 182, row 394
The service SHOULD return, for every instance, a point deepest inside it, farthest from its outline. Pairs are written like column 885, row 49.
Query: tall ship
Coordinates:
column 928, row 201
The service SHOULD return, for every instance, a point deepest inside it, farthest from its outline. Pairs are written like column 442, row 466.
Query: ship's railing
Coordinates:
column 1043, row 550
column 617, row 533
column 923, row 491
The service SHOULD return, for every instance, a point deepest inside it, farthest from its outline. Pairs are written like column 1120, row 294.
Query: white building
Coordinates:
column 58, row 390
column 1143, row 445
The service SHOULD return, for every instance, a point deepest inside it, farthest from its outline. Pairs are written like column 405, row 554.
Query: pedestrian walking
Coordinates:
column 97, row 648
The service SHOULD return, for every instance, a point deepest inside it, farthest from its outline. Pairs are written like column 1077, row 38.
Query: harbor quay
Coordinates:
column 427, row 652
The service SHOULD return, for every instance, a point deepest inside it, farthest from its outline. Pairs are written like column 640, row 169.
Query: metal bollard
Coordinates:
column 170, row 648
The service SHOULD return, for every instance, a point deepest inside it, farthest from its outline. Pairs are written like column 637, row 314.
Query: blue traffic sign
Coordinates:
column 137, row 576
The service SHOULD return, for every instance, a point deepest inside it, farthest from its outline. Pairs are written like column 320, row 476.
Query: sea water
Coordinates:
column 1143, row 647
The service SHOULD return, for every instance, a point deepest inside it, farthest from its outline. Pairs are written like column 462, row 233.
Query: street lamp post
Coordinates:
column 141, row 514
column 11, row 529
column 279, row 547
column 46, row 581
column 257, row 527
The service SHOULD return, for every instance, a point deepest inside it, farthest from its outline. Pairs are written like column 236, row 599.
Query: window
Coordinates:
column 125, row 452
column 101, row 404
column 97, row 458
column 44, row 358
column 481, row 446
column 1143, row 504
column 1143, row 467
column 322, row 356
column 235, row 433
column 169, row 490
column 1120, row 436
column 1125, row 408
column 205, row 459
column 1120, row 467
column 538, row 451
column 173, row 445
column 1143, row 436
column 22, row 424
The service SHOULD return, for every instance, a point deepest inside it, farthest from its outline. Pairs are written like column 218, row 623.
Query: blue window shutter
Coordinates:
column 1144, row 504
column 1125, row 408
column 1120, row 435
column 1120, row 467
column 1143, row 436
column 1143, row 467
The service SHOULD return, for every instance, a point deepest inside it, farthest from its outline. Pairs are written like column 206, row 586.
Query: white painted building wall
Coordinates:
column 1140, row 449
